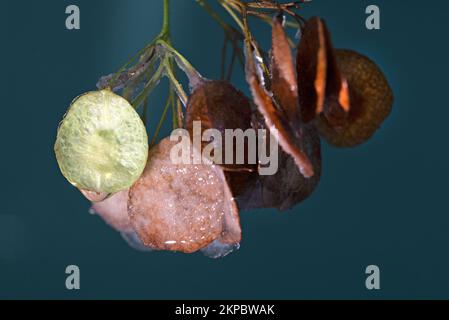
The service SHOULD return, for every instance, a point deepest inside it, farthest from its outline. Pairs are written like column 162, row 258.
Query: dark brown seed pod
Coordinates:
column 218, row 105
column 322, row 87
column 182, row 207
column 288, row 186
column 276, row 119
column 372, row 101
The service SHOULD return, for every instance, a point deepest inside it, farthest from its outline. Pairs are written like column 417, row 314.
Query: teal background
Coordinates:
column 384, row 203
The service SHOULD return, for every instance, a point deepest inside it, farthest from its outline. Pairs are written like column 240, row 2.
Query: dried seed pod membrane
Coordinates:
column 288, row 186
column 322, row 87
column 114, row 211
column 372, row 101
column 276, row 119
column 312, row 69
column 102, row 144
column 218, row 105
column 181, row 207
column 284, row 84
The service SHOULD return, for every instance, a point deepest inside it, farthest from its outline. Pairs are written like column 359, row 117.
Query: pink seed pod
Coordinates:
column 114, row 211
column 182, row 207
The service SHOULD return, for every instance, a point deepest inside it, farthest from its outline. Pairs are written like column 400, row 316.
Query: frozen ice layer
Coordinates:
column 218, row 249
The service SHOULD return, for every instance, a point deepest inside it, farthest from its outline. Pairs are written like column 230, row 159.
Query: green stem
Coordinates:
column 183, row 61
column 212, row 13
column 149, row 86
column 176, row 85
column 194, row 77
column 165, row 33
column 233, row 15
column 162, row 119
column 174, row 111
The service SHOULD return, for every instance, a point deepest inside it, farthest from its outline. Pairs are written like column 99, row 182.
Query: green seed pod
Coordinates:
column 102, row 144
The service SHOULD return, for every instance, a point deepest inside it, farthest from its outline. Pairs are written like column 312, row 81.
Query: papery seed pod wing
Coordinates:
column 276, row 120
column 284, row 84
column 322, row 87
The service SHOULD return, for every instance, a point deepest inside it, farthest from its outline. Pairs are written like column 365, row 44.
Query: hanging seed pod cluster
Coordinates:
column 299, row 95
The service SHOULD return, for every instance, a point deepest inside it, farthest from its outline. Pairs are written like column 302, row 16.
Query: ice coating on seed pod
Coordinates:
column 179, row 207
column 133, row 240
column 114, row 211
column 102, row 144
column 218, row 249
column 372, row 101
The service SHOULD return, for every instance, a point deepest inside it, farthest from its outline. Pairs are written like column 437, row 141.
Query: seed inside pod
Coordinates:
column 372, row 101
column 182, row 207
column 218, row 105
column 322, row 87
column 102, row 144
column 288, row 186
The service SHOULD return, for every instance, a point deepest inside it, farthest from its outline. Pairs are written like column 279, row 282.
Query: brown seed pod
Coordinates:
column 372, row 101
column 182, row 207
column 218, row 105
column 114, row 211
column 276, row 119
column 288, row 186
column 322, row 87
column 284, row 84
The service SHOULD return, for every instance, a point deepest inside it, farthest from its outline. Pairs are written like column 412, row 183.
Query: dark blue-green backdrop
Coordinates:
column 384, row 203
